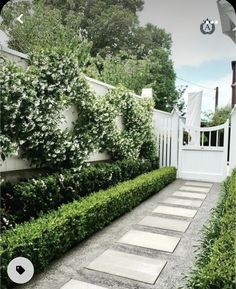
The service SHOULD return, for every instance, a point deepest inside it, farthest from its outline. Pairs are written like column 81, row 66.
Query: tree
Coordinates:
column 42, row 29
column 220, row 116
column 120, row 69
column 107, row 23
column 86, row 5
column 148, row 38
column 163, row 80
column 108, row 38
column 155, row 70
column 109, row 29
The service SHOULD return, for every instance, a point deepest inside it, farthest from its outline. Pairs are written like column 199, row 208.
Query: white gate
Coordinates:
column 203, row 152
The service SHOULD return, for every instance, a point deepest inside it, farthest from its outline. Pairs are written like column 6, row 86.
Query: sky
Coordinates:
column 198, row 58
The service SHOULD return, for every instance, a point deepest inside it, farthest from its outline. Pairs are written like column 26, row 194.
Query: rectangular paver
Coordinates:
column 168, row 210
column 150, row 240
column 165, row 223
column 194, row 189
column 183, row 202
column 189, row 195
column 198, row 184
column 128, row 265
column 75, row 284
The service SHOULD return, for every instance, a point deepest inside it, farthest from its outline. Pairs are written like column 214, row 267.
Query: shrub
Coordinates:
column 215, row 266
column 33, row 107
column 28, row 199
column 71, row 223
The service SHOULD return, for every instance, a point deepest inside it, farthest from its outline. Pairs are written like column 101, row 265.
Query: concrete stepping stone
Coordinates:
column 75, row 284
column 183, row 202
column 182, row 212
column 189, row 195
column 198, row 184
column 130, row 266
column 165, row 223
column 150, row 240
column 194, row 189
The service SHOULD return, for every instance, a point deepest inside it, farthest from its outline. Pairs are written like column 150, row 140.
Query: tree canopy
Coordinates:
column 111, row 43
column 220, row 116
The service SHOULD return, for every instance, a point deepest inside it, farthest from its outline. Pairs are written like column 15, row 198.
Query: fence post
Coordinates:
column 232, row 152
column 174, row 140
column 226, row 138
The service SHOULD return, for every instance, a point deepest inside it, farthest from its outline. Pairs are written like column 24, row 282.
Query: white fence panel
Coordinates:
column 166, row 132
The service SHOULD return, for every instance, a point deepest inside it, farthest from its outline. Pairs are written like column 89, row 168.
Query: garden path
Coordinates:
column 150, row 247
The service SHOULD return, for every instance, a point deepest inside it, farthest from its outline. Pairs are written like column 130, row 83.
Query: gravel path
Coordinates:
column 73, row 264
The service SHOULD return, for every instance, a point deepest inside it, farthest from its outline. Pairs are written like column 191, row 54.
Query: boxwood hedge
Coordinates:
column 51, row 235
column 215, row 264
column 26, row 199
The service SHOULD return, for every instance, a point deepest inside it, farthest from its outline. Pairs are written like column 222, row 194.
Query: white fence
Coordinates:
column 205, row 158
column 166, row 131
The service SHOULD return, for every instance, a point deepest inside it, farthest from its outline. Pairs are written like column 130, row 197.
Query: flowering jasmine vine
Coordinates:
column 32, row 101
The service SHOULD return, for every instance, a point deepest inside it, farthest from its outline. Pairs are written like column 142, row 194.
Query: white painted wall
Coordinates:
column 70, row 115
column 16, row 56
column 99, row 87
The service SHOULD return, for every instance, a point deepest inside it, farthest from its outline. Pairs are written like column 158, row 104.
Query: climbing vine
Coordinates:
column 32, row 101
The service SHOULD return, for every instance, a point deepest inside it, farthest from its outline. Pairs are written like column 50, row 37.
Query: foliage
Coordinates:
column 109, row 28
column 72, row 223
column 32, row 102
column 121, row 69
column 86, row 6
column 137, row 120
column 154, row 70
column 26, row 199
column 215, row 266
column 42, row 29
column 148, row 38
column 107, row 37
column 220, row 116
column 52, row 23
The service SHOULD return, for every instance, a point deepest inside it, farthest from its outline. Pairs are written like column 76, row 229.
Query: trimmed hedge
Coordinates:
column 215, row 265
column 21, row 201
column 51, row 235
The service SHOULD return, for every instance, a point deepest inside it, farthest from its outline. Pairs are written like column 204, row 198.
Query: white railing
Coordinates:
column 203, row 136
column 166, row 131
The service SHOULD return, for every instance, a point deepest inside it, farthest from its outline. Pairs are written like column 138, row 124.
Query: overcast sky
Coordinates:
column 203, row 59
